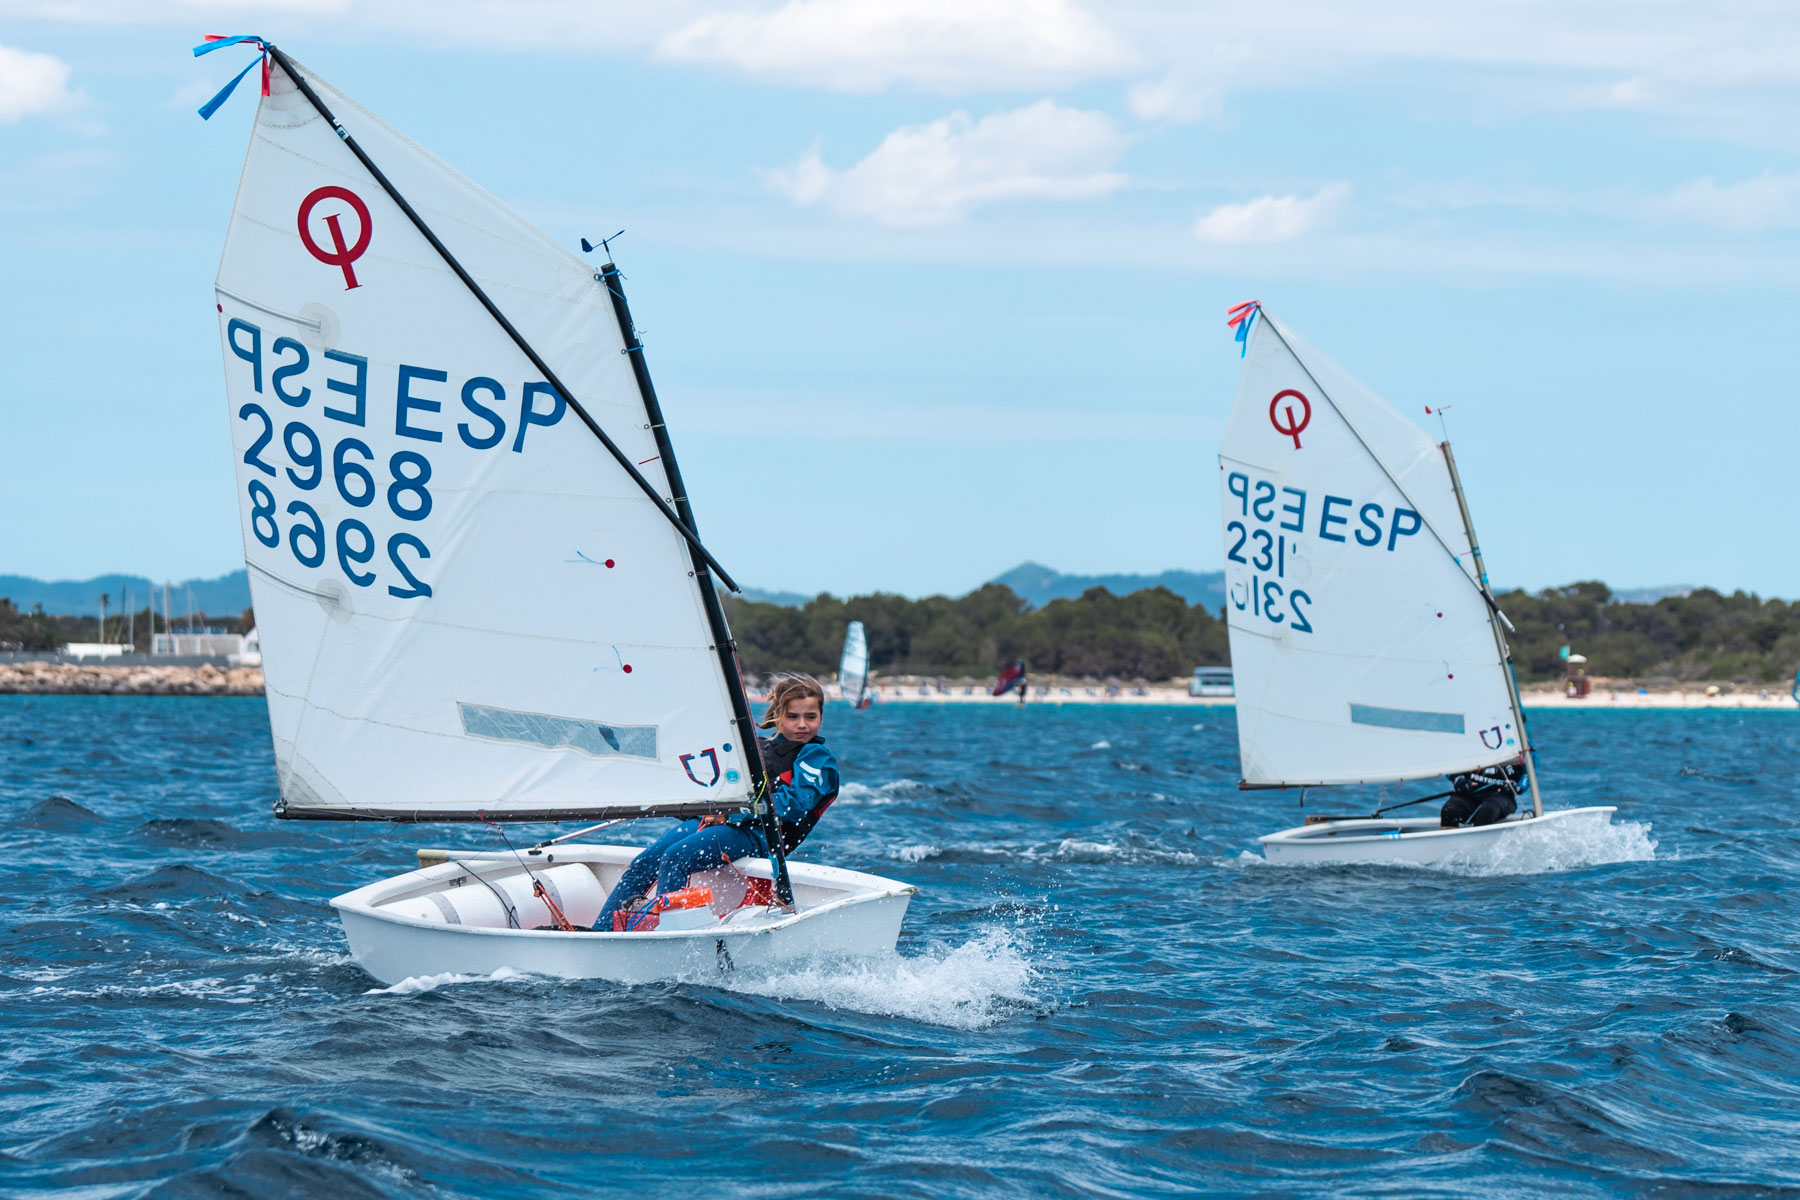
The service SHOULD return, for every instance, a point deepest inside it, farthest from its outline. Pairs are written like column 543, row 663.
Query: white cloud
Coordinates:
column 941, row 45
column 1176, row 97
column 1270, row 219
column 935, row 174
column 1770, row 201
column 31, row 84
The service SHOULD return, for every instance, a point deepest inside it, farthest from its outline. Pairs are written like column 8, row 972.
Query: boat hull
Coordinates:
column 840, row 914
column 1419, row 841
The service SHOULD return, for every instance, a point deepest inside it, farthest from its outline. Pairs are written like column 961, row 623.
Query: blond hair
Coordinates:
column 785, row 689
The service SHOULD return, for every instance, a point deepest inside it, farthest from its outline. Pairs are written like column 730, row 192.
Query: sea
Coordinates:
column 1101, row 990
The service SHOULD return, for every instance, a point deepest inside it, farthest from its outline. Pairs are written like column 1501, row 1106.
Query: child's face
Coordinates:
column 799, row 722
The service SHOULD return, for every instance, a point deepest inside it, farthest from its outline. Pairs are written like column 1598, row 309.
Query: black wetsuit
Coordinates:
column 1483, row 797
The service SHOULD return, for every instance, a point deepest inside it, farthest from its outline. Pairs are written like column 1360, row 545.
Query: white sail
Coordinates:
column 853, row 668
column 1361, row 647
column 466, row 605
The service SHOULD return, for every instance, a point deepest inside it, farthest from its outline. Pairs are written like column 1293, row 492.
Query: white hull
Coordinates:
column 1419, row 841
column 838, row 914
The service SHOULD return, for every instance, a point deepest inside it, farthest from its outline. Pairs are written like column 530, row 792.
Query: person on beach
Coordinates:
column 802, row 777
column 1483, row 797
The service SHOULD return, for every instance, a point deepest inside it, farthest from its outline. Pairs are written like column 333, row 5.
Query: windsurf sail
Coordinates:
column 475, row 593
column 1362, row 647
column 853, row 668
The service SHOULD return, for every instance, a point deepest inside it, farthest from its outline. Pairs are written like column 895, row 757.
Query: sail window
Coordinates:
column 1406, row 718
column 559, row 733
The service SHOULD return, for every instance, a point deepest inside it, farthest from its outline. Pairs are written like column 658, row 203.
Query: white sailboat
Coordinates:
column 853, row 667
column 1366, row 644
column 478, row 580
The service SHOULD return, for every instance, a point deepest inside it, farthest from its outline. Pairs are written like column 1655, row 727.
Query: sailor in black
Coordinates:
column 1483, row 797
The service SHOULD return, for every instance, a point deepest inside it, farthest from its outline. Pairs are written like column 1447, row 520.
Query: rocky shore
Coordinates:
column 134, row 679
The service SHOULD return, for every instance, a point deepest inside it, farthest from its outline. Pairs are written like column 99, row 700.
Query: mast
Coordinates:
column 1494, row 618
column 726, row 649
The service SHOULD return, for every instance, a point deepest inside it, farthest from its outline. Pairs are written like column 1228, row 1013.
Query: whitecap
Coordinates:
column 1101, row 745
column 1565, row 846
column 917, row 852
column 885, row 793
column 971, row 986
column 1076, row 850
column 413, row 985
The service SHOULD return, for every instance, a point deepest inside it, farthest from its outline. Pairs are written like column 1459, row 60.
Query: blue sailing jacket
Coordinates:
column 803, row 781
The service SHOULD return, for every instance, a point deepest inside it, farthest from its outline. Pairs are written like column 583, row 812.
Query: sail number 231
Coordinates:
column 1263, row 551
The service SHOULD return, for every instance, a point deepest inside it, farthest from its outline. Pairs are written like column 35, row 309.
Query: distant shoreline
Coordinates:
column 144, row 677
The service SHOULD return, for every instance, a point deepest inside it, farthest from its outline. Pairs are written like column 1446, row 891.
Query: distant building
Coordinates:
column 209, row 643
column 1211, row 681
column 93, row 650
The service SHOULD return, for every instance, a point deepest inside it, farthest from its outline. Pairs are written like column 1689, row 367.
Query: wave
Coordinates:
column 885, row 793
column 177, row 881
column 1076, row 850
column 1561, row 847
column 194, row 833
column 972, row 986
column 1073, row 850
column 57, row 813
column 413, row 985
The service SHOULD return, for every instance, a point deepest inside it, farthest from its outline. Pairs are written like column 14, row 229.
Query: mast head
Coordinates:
column 587, row 247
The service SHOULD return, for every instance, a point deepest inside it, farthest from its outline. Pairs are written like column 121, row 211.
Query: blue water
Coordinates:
column 1098, row 992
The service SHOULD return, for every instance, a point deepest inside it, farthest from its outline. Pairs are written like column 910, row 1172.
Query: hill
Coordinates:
column 1038, row 585
column 228, row 595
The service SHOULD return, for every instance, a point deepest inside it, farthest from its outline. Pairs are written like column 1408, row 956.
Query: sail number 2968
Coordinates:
column 351, row 544
column 1265, row 597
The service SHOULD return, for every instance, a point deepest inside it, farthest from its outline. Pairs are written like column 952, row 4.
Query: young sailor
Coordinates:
column 802, row 777
column 1483, row 797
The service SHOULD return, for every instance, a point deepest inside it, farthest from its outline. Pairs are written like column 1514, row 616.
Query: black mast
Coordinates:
column 709, row 595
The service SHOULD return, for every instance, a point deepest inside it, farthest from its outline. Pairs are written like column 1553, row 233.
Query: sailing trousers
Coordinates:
column 667, row 862
column 1496, row 805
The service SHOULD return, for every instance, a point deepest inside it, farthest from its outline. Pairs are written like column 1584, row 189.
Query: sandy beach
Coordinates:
column 1623, row 693
column 146, row 679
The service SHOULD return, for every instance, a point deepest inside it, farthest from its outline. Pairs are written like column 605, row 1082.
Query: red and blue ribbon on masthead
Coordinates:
column 218, row 41
column 1241, row 317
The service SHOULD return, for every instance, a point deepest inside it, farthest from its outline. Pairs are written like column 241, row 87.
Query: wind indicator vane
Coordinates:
column 218, row 41
column 1241, row 317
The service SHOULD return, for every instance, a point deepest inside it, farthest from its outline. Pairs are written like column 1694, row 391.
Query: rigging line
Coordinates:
column 1357, row 433
column 370, row 845
column 624, row 460
column 512, row 914
column 537, row 885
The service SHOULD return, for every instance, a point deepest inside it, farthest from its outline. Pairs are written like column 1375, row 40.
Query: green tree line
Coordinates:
column 1704, row 635
column 1154, row 634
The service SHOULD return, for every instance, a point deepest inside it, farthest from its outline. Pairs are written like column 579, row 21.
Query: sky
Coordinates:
column 933, row 287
